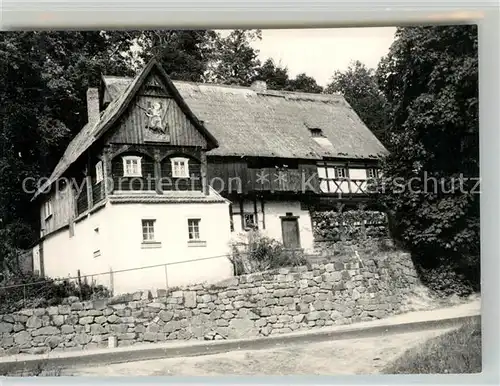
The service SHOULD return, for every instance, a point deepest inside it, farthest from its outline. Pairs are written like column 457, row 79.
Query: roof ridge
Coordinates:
column 272, row 92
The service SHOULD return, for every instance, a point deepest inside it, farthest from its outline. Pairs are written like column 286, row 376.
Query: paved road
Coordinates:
column 339, row 357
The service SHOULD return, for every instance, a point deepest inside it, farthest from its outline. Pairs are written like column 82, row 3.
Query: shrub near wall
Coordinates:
column 258, row 304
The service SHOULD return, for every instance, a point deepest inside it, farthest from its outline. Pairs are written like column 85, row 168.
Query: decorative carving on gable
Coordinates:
column 156, row 125
column 156, row 113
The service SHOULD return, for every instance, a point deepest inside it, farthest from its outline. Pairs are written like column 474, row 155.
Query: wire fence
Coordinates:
column 36, row 291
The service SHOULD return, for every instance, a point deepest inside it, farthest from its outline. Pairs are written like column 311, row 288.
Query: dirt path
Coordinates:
column 340, row 357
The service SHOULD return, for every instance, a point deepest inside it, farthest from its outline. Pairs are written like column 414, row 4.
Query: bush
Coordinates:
column 348, row 225
column 446, row 279
column 262, row 253
column 32, row 291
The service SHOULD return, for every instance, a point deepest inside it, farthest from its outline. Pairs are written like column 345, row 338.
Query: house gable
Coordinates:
column 114, row 113
column 155, row 116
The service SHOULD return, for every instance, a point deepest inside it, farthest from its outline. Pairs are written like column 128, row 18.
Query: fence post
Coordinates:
column 166, row 277
column 80, row 284
column 24, row 296
column 111, row 281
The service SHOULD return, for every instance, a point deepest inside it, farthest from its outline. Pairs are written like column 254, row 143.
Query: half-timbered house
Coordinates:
column 160, row 155
column 280, row 155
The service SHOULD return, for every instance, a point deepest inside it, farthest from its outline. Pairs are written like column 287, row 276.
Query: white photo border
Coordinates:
column 126, row 14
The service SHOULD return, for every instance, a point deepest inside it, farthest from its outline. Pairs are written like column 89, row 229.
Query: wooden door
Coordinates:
column 290, row 229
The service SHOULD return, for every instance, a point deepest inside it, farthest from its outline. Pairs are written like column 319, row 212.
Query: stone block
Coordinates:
column 113, row 319
column 312, row 316
column 18, row 327
column 82, row 338
column 34, row 322
column 53, row 341
column 77, row 306
column 101, row 319
column 39, row 311
column 6, row 328
column 67, row 329
column 97, row 329
column 49, row 330
column 166, row 316
column 190, row 299
column 58, row 320
column 117, row 328
column 86, row 320
column 126, row 336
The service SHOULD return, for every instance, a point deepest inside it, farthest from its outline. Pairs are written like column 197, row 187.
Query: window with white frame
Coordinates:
column 372, row 173
column 47, row 209
column 132, row 166
column 194, row 229
column 148, row 230
column 98, row 172
column 180, row 167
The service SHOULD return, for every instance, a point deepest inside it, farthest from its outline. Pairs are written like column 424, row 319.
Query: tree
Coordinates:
column 44, row 80
column 304, row 83
column 430, row 80
column 275, row 76
column 359, row 86
column 235, row 61
column 184, row 54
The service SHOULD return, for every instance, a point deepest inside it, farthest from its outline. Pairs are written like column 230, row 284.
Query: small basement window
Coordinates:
column 98, row 172
column 148, row 230
column 180, row 167
column 132, row 166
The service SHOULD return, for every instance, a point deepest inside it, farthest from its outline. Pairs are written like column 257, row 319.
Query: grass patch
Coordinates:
column 39, row 370
column 456, row 352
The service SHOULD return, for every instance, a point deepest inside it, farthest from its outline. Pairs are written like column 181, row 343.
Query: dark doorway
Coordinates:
column 290, row 229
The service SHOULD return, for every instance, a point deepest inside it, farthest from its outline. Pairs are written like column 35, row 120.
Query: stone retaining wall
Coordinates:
column 260, row 304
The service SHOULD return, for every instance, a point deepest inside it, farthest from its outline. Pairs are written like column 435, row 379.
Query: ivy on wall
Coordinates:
column 349, row 225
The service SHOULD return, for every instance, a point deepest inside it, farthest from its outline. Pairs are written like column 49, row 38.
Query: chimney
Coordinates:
column 93, row 112
column 259, row 86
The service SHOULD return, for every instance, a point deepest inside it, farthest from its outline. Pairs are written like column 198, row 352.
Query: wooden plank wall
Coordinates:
column 170, row 183
column 132, row 126
column 146, row 182
column 262, row 179
column 62, row 208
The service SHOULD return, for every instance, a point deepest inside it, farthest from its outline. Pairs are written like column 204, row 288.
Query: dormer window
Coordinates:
column 316, row 132
column 132, row 166
column 180, row 167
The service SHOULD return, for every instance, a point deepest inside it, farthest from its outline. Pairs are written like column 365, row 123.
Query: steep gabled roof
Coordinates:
column 274, row 123
column 91, row 132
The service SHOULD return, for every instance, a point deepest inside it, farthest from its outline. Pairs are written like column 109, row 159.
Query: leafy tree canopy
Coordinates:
column 234, row 60
column 44, row 77
column 430, row 81
column 358, row 85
